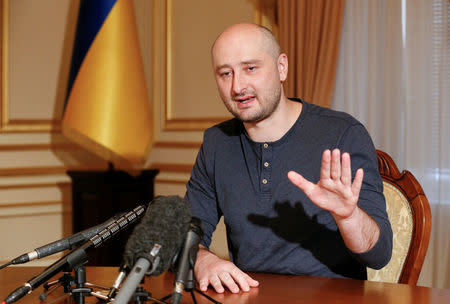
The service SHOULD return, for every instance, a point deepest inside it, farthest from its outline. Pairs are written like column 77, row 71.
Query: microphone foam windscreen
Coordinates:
column 166, row 223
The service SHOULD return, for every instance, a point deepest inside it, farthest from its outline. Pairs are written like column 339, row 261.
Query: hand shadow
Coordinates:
column 294, row 225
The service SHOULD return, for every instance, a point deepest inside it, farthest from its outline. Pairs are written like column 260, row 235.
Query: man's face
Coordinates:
column 247, row 76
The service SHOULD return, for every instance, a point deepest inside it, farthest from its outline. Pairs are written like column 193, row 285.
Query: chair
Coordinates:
column 410, row 216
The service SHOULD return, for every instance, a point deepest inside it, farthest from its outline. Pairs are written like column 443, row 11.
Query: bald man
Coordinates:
column 297, row 184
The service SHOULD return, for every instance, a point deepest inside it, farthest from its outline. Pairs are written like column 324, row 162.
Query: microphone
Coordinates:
column 63, row 244
column 123, row 271
column 184, row 273
column 77, row 256
column 154, row 242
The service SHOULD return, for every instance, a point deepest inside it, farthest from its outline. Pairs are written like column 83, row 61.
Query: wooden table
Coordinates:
column 272, row 289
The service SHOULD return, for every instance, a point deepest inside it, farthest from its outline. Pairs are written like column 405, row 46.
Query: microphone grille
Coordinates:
column 166, row 223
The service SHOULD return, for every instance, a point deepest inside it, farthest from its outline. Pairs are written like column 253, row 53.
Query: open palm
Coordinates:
column 335, row 191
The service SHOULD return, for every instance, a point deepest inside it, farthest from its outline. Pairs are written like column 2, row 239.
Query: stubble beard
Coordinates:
column 268, row 105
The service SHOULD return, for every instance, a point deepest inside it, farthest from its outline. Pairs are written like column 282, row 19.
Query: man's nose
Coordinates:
column 239, row 84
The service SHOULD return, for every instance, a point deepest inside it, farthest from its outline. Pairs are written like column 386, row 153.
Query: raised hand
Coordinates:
column 211, row 270
column 335, row 191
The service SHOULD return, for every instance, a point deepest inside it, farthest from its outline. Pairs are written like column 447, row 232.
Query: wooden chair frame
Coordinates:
column 406, row 183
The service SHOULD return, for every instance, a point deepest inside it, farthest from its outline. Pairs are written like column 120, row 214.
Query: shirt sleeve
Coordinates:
column 356, row 140
column 201, row 193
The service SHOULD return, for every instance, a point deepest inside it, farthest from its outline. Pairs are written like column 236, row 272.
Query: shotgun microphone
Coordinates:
column 69, row 242
column 76, row 256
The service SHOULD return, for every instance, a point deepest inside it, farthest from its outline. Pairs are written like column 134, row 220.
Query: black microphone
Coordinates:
column 69, row 242
column 154, row 242
column 184, row 273
column 77, row 256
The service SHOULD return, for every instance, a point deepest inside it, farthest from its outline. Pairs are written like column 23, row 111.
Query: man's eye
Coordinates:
column 224, row 74
column 251, row 68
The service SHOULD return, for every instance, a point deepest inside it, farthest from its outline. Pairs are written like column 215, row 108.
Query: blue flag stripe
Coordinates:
column 91, row 16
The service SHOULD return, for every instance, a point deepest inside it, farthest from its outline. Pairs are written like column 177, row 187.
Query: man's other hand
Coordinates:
column 212, row 270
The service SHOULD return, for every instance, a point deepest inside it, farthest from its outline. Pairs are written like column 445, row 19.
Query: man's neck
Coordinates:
column 275, row 126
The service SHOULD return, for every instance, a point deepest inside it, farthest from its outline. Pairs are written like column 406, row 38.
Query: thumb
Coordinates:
column 302, row 183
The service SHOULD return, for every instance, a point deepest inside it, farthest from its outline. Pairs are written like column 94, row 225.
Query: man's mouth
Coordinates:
column 245, row 99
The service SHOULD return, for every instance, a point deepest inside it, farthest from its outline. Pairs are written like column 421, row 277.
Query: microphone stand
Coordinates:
column 66, row 281
column 75, row 286
column 80, row 291
column 190, row 287
column 140, row 296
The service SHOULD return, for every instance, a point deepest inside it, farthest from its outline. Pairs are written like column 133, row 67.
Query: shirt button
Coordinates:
column 266, row 164
column 265, row 145
column 264, row 181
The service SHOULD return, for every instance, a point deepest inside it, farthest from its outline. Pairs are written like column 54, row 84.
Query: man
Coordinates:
column 277, row 175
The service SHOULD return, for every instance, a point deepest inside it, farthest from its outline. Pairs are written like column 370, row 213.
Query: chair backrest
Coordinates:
column 410, row 216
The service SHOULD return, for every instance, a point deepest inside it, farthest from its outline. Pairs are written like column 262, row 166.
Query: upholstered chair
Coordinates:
column 409, row 213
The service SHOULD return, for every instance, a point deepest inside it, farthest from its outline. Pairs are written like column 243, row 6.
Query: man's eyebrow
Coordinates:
column 222, row 66
column 242, row 63
column 253, row 61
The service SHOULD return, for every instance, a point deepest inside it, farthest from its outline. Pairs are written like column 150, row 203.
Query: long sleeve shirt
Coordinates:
column 271, row 225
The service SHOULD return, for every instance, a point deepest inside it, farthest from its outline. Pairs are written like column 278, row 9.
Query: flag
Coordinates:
column 107, row 109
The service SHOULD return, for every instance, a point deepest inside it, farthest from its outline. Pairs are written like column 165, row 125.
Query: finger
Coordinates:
column 325, row 166
column 226, row 279
column 250, row 281
column 335, row 166
column 306, row 186
column 346, row 174
column 241, row 278
column 357, row 182
column 216, row 283
column 203, row 284
column 244, row 280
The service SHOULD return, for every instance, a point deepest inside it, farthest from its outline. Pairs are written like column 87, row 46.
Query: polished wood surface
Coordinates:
column 272, row 289
column 406, row 183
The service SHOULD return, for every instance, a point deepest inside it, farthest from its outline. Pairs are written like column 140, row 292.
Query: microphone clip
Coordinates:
column 80, row 291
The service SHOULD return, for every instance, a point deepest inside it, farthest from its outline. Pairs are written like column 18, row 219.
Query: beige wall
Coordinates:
column 37, row 36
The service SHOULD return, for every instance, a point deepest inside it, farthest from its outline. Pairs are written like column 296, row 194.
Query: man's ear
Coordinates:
column 283, row 66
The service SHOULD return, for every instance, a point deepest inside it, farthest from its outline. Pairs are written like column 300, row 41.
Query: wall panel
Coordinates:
column 185, row 31
column 29, row 229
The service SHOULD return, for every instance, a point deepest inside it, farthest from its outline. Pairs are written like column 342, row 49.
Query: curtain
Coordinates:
column 309, row 32
column 394, row 76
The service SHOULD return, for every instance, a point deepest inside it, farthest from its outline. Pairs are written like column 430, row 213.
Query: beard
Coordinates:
column 267, row 105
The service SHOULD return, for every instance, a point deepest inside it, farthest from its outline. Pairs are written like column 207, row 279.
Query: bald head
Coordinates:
column 248, row 33
column 249, row 70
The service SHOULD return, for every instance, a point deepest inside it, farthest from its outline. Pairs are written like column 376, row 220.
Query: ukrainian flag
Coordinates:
column 107, row 109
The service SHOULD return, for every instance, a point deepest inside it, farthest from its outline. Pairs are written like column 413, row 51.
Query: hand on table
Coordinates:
column 212, row 270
